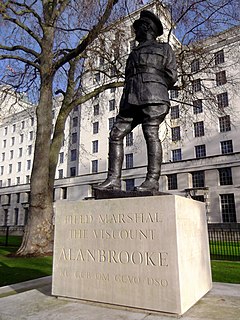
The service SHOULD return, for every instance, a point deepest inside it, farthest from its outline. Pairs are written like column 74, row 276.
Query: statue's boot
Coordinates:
column 115, row 160
column 154, row 153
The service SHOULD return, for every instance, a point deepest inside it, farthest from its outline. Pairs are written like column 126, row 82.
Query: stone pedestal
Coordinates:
column 150, row 253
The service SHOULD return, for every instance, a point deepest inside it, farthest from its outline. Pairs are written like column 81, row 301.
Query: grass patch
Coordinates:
column 225, row 271
column 14, row 270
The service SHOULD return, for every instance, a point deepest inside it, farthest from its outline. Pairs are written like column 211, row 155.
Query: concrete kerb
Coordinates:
column 221, row 303
column 25, row 286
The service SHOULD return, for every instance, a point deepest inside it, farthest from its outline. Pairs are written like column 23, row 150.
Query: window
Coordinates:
column 97, row 77
column 129, row 160
column 101, row 61
column 111, row 123
column 113, row 90
column 12, row 141
column 95, row 146
column 226, row 146
column 173, row 94
column 222, row 100
column 199, row 129
column 196, row 85
column 29, row 150
column 22, row 124
column 132, row 44
column 172, row 182
column 64, row 193
column 75, row 122
column 112, row 105
column 11, row 154
column 129, row 139
column 27, row 179
column 74, row 155
column 28, row 164
column 197, row 106
column 3, row 156
column 74, row 137
column 177, row 155
column 2, row 170
column 129, row 184
column 225, row 176
column 31, row 135
column 14, row 128
column 95, row 127
column 195, row 65
column 18, row 197
column 21, row 138
column 221, row 78
column 19, row 166
column 60, row 173
column 176, row 136
column 17, row 180
column 4, row 143
column 224, row 124
column 94, row 166
column 200, row 151
column 198, row 198
column 219, row 57
column 113, row 71
column 61, row 157
column 16, row 214
column 174, row 112
column 228, row 207
column 75, row 108
column 73, row 172
column 5, row 131
column 32, row 121
column 198, row 179
column 1, row 183
column 96, row 110
column 10, row 168
column 20, row 152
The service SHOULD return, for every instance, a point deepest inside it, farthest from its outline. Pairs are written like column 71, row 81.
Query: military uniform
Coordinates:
column 150, row 72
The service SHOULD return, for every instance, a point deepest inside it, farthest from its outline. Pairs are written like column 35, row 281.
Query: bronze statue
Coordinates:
column 150, row 72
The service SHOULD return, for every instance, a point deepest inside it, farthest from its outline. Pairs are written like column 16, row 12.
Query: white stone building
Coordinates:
column 200, row 137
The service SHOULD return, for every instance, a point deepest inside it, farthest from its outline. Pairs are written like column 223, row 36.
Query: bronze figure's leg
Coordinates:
column 115, row 155
column 115, row 160
column 154, row 154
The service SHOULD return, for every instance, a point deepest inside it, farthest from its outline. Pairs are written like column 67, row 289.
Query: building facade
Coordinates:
column 200, row 136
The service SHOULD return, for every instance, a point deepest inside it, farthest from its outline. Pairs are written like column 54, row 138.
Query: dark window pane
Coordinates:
column 198, row 179
column 172, row 181
column 228, row 207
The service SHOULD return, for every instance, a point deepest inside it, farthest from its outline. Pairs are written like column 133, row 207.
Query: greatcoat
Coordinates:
column 150, row 72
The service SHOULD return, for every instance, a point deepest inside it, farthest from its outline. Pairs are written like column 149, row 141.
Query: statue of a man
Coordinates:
column 150, row 72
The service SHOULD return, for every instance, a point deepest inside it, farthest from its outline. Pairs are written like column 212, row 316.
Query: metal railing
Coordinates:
column 6, row 231
column 224, row 241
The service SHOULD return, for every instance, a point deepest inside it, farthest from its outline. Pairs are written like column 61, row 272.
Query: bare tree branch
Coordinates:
column 21, row 48
column 28, row 9
column 23, row 27
column 12, row 57
column 92, row 35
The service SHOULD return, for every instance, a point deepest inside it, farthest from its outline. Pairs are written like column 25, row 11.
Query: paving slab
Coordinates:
column 221, row 303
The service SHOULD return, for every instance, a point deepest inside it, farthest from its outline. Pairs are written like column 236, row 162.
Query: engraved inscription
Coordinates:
column 124, row 234
column 154, row 259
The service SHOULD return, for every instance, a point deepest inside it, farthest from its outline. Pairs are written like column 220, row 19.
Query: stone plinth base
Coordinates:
column 149, row 253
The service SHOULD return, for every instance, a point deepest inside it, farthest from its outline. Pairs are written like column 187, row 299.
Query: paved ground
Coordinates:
column 32, row 300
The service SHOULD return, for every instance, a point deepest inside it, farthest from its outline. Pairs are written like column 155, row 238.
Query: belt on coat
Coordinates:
column 146, row 69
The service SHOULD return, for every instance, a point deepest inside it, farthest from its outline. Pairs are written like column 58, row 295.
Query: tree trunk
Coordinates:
column 38, row 236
